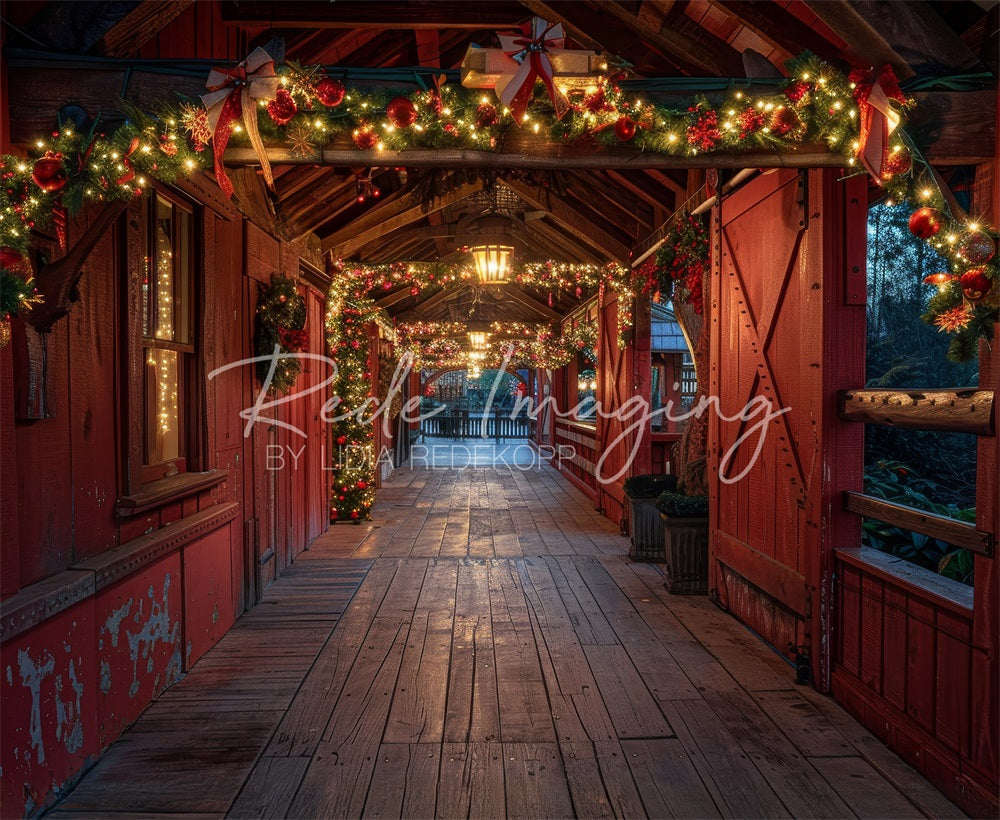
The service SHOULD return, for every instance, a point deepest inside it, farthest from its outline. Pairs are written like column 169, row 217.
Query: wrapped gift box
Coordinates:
column 482, row 67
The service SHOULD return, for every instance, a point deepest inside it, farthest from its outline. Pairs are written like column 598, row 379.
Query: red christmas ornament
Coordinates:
column 786, row 123
column 362, row 484
column 282, row 108
column 939, row 279
column 486, row 115
column 898, row 162
column 354, row 513
column 625, row 128
column 49, row 173
column 414, row 290
column 333, row 512
column 975, row 284
column 330, row 92
column 401, row 112
column 976, row 247
column 340, row 498
column 341, row 440
column 925, row 222
column 10, row 258
column 364, row 138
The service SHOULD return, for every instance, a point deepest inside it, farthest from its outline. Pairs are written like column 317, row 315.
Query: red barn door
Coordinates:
column 788, row 330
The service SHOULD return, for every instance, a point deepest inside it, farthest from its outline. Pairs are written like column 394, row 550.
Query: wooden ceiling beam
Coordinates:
column 540, row 154
column 864, row 43
column 515, row 294
column 140, row 26
column 498, row 14
column 582, row 200
column 630, row 207
column 289, row 185
column 554, row 244
column 340, row 50
column 779, row 27
column 667, row 181
column 626, row 182
column 431, row 302
column 584, row 230
column 652, row 13
column 392, row 214
column 681, row 36
column 917, row 32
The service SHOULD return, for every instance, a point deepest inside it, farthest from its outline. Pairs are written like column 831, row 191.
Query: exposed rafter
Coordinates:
column 390, row 215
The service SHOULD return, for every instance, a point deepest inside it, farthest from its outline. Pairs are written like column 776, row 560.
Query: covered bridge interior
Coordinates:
column 680, row 216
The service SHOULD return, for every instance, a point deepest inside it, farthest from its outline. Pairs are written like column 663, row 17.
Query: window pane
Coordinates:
column 161, row 409
column 182, row 278
column 168, row 313
column 163, row 287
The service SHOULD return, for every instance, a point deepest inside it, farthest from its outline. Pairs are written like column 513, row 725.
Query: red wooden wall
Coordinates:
column 785, row 331
column 916, row 656
column 102, row 610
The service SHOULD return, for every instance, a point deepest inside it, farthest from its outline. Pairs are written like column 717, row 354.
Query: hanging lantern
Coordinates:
column 491, row 245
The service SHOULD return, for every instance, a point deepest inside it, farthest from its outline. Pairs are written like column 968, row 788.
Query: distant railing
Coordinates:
column 471, row 424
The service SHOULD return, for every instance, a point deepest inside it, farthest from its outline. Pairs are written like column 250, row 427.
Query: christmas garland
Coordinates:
column 681, row 262
column 80, row 162
column 353, row 462
column 281, row 318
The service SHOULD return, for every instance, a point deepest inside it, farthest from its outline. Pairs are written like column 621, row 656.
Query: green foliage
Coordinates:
column 896, row 482
column 353, row 463
column 649, row 486
column 905, row 353
column 678, row 505
column 281, row 317
column 15, row 292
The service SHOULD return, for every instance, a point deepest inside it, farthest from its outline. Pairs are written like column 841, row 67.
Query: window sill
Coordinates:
column 166, row 490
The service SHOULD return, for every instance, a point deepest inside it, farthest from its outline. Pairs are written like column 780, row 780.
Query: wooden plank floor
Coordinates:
column 499, row 657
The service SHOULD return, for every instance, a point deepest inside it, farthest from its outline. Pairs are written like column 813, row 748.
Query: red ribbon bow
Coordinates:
column 231, row 98
column 530, row 51
column 873, row 90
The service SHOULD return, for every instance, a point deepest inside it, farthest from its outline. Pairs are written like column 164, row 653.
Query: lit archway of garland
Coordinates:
column 73, row 166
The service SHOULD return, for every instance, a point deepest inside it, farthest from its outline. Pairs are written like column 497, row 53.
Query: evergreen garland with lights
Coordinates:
column 281, row 318
column 79, row 163
column 682, row 262
column 352, row 489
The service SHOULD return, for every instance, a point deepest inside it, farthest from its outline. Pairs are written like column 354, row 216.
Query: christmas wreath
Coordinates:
column 682, row 261
column 281, row 318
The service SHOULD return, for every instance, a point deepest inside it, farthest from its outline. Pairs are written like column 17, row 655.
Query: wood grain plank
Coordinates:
column 633, row 710
column 270, row 788
column 667, row 781
column 729, row 774
column 535, row 781
column 472, row 712
column 471, row 781
column 862, row 788
column 404, row 783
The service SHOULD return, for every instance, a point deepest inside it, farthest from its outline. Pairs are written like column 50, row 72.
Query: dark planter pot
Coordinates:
column 685, row 553
column 647, row 529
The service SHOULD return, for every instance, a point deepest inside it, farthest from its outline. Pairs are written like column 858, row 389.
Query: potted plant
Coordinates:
column 641, row 492
column 685, row 541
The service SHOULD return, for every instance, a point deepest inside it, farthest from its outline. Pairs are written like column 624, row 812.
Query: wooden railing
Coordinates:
column 949, row 530
column 471, row 424
column 957, row 411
